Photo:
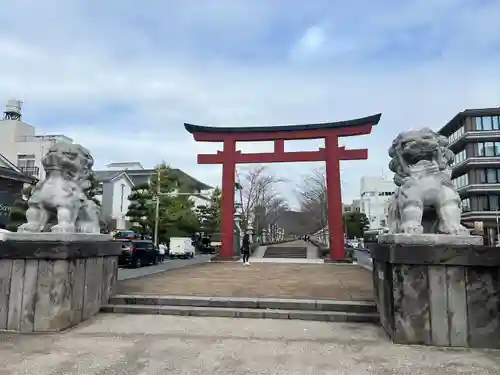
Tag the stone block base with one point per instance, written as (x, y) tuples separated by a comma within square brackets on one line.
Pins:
[(440, 295), (49, 286)]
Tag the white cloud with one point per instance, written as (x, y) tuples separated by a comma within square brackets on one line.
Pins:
[(122, 81), (310, 43)]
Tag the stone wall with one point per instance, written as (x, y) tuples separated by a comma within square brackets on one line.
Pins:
[(439, 295), (50, 286)]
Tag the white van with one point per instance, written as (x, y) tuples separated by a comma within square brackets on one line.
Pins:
[(181, 247)]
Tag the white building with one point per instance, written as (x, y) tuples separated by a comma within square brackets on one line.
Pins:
[(376, 193), (117, 181), (116, 187), (21, 145)]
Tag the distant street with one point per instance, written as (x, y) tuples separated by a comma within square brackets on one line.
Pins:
[(130, 273)]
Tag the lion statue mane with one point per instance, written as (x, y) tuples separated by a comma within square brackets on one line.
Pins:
[(60, 202), (425, 200)]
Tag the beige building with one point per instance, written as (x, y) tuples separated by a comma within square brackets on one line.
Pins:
[(21, 145)]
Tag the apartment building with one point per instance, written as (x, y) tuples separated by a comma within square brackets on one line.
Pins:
[(474, 136), (21, 145)]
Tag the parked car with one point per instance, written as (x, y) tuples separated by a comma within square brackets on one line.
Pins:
[(181, 247), (204, 246), (137, 253)]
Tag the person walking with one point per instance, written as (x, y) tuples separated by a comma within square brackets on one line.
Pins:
[(245, 249), (161, 249)]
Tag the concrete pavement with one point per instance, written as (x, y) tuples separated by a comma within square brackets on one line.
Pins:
[(151, 344), (130, 273)]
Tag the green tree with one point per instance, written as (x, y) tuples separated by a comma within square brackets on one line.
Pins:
[(139, 209), (177, 216), (355, 224), (17, 214), (209, 214), (94, 189)]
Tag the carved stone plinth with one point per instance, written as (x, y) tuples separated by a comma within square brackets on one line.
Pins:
[(48, 284), (442, 295)]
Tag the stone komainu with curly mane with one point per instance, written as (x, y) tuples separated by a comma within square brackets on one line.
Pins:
[(59, 203), (425, 200)]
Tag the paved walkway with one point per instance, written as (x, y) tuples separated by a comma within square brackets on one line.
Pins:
[(153, 344), (170, 264), (264, 280), (312, 254)]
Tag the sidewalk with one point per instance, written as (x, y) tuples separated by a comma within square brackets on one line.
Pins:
[(152, 344)]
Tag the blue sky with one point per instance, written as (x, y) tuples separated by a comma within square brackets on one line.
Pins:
[(121, 77)]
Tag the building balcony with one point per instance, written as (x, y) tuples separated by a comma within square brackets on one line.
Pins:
[(31, 171)]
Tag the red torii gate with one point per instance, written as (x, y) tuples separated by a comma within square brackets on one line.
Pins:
[(331, 154)]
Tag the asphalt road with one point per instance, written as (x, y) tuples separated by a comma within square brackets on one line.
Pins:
[(130, 273)]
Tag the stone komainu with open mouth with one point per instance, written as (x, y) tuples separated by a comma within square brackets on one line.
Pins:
[(60, 202), (425, 200)]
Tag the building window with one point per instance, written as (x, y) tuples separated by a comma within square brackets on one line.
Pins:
[(456, 134), (384, 193), (460, 157), (486, 123), (487, 149), (122, 197), (496, 122), (488, 176), (461, 181), (486, 203), (25, 161), (466, 205)]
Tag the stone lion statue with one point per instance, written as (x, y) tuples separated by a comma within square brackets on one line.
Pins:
[(425, 200), (60, 203)]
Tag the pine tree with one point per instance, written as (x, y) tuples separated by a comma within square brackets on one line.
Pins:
[(176, 216), (94, 189), (355, 223), (176, 211), (139, 209), (18, 210)]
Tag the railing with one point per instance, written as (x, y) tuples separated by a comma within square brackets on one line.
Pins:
[(38, 138), (32, 171)]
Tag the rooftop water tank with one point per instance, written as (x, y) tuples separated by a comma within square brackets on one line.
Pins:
[(12, 110)]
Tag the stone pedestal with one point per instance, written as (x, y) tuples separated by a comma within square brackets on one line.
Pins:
[(442, 295), (50, 282)]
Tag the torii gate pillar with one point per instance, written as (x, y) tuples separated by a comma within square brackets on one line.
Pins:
[(331, 154)]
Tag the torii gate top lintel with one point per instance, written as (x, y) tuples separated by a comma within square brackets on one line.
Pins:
[(347, 128)]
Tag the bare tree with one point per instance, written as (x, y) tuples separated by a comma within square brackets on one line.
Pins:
[(312, 196), (275, 209), (256, 192)]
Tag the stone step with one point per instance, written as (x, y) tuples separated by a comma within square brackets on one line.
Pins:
[(230, 312), (247, 303), (285, 252), (286, 256)]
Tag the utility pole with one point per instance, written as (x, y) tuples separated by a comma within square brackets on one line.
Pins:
[(157, 213)]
